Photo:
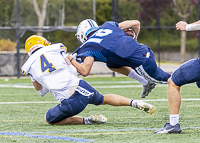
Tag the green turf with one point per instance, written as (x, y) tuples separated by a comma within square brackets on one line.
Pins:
[(125, 124)]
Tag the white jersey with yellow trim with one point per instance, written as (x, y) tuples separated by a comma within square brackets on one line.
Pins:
[(48, 67)]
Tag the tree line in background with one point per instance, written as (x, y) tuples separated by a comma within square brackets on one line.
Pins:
[(70, 13)]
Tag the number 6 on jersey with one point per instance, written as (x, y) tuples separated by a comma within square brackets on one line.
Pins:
[(46, 65)]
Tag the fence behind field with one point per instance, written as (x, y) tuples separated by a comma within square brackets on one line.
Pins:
[(19, 19)]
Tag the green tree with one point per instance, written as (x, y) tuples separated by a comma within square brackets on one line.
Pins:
[(183, 9), (6, 9)]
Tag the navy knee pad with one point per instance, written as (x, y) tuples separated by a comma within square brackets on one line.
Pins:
[(54, 115)]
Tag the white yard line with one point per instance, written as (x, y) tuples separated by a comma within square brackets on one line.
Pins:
[(106, 86), (31, 102), (44, 102), (15, 86)]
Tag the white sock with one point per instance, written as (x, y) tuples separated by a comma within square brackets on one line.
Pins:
[(133, 75), (173, 119), (133, 103), (86, 121)]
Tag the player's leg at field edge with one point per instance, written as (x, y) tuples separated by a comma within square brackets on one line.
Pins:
[(174, 97)]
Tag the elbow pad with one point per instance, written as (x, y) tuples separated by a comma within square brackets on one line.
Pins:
[(42, 92)]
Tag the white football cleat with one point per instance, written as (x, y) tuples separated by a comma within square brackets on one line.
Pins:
[(100, 119), (148, 108)]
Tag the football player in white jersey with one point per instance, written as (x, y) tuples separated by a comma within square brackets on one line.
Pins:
[(51, 71)]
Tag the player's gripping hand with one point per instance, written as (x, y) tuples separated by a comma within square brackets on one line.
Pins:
[(130, 32), (181, 25), (73, 55)]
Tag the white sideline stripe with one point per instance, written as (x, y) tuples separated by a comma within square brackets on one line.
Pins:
[(44, 102), (189, 99), (15, 86), (112, 86), (110, 82), (91, 82), (34, 102)]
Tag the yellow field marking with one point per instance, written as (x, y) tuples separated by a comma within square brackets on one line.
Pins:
[(196, 105), (107, 133), (20, 120), (138, 117), (190, 116)]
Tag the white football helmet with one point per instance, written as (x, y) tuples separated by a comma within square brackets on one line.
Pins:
[(84, 29)]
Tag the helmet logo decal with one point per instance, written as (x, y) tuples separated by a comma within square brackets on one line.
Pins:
[(35, 46)]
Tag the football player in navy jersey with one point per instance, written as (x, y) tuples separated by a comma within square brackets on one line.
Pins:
[(112, 44), (188, 72)]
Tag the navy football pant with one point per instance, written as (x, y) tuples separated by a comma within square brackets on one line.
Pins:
[(150, 71), (143, 61), (188, 72), (74, 104)]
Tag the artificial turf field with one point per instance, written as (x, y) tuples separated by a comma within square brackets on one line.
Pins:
[(22, 115)]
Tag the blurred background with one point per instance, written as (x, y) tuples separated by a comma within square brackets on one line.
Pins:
[(57, 21)]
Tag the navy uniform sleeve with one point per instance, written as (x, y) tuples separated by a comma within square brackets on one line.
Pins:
[(113, 23)]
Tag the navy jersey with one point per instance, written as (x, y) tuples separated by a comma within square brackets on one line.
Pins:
[(111, 45)]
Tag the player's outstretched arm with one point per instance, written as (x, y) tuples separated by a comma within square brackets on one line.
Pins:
[(133, 24), (197, 22), (184, 26), (83, 68)]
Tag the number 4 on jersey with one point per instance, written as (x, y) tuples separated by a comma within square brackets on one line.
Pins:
[(46, 65)]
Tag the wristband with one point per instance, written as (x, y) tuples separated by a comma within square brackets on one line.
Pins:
[(192, 27), (71, 59), (188, 27)]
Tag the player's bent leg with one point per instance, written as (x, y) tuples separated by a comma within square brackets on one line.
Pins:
[(151, 72), (54, 115), (70, 107), (61, 119), (128, 71), (75, 120), (147, 86)]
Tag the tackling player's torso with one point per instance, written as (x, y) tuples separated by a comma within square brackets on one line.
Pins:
[(111, 45)]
